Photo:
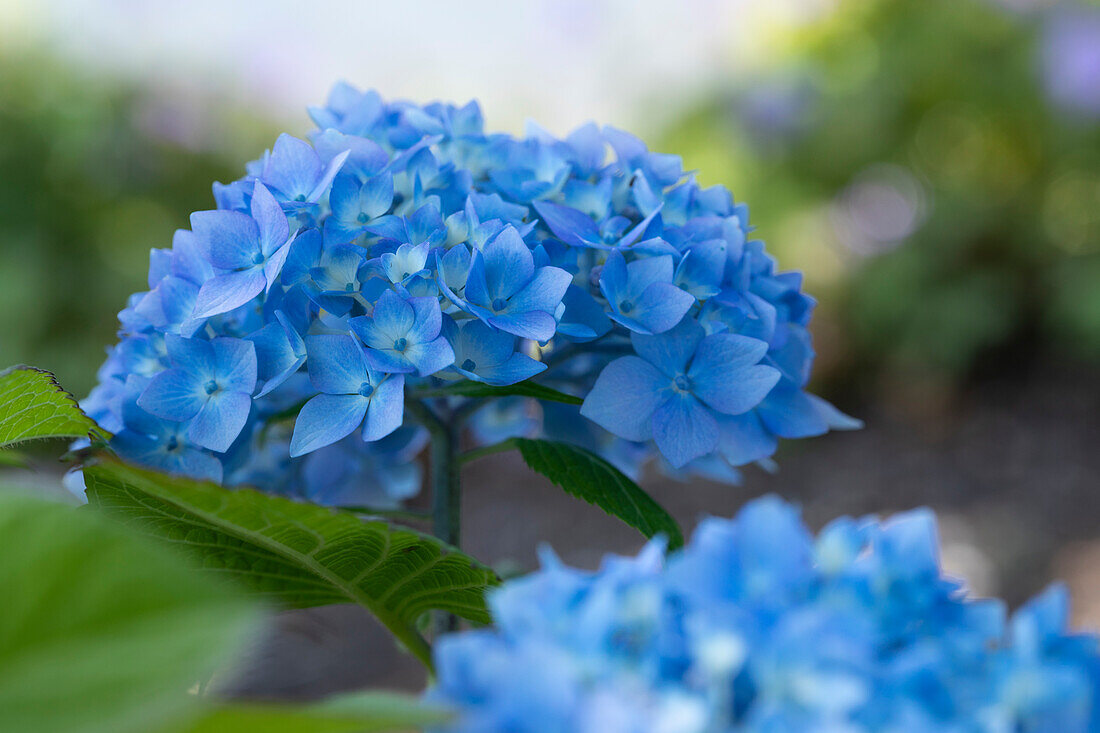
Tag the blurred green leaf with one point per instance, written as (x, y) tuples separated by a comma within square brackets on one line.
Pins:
[(33, 406), (299, 554), (587, 476), (102, 632), (360, 712), (470, 388)]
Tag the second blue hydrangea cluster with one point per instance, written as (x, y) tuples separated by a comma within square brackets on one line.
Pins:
[(402, 248), (759, 626)]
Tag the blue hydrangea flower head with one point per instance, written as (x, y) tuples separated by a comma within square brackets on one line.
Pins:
[(399, 247), (757, 625)]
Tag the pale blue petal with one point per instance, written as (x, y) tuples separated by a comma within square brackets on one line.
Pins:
[(672, 350), (544, 292), (684, 430), (228, 239), (387, 408), (220, 421), (273, 228), (335, 364), (326, 419), (173, 395), (725, 373), (789, 413), (536, 325), (431, 357), (234, 364), (226, 292), (625, 396), (743, 439), (662, 306), (515, 368), (508, 264)]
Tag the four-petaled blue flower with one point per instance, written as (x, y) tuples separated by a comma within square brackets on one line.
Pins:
[(506, 290), (403, 335), (673, 391), (352, 394), (641, 294), (484, 354), (249, 251), (209, 383)]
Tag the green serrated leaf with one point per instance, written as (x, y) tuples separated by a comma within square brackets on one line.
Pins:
[(587, 476), (34, 406), (469, 388), (361, 712), (103, 631), (297, 554)]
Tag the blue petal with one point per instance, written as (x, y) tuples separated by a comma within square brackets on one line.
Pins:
[(684, 430), (274, 230), (220, 421), (224, 293), (234, 364), (743, 438), (515, 368), (672, 350), (326, 419), (228, 239), (789, 413), (567, 224), (544, 292), (625, 396), (535, 325), (661, 306), (335, 364), (835, 419), (431, 357), (508, 265), (173, 395), (725, 375), (387, 408), (293, 168)]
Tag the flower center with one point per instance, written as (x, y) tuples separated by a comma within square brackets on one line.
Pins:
[(626, 306), (258, 258), (681, 384), (469, 365), (401, 344), (366, 389), (211, 387), (349, 287), (300, 197), (173, 444), (499, 304), (363, 218)]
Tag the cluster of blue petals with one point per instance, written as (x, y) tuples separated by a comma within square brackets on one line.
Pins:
[(403, 247), (759, 626)]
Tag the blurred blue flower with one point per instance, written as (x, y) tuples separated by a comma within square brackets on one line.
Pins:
[(757, 625)]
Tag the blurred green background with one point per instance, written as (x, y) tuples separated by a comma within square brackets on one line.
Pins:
[(932, 166)]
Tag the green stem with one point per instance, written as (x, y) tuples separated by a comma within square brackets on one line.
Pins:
[(446, 480)]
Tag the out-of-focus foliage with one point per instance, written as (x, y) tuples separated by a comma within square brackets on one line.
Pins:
[(909, 155), (94, 174), (102, 631)]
